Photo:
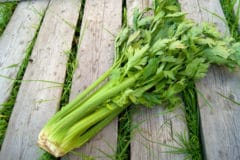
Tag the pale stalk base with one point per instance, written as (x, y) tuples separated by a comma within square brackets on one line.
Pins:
[(49, 146)]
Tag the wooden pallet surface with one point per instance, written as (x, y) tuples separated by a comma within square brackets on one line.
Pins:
[(40, 92)]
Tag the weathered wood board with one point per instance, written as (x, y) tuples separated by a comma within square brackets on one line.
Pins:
[(95, 56), (154, 129), (16, 39), (220, 122), (37, 100)]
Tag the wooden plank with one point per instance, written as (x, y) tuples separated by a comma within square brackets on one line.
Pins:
[(220, 125), (95, 56), (15, 40), (37, 101), (154, 127)]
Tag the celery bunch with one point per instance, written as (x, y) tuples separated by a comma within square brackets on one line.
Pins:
[(155, 60)]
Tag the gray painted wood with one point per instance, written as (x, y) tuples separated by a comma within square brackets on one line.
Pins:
[(15, 40), (153, 129), (38, 101), (95, 56), (220, 124)]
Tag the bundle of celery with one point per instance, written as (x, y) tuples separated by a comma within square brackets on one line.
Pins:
[(155, 60)]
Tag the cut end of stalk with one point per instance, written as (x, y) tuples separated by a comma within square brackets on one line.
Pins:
[(49, 146)]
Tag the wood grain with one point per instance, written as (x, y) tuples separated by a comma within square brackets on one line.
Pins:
[(154, 129), (95, 56), (15, 40), (37, 101), (220, 123)]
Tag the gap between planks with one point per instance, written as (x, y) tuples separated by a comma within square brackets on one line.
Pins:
[(154, 127), (220, 125), (38, 101), (237, 12)]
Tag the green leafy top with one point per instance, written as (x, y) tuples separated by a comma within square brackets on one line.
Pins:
[(169, 51)]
